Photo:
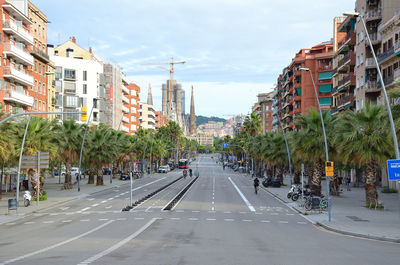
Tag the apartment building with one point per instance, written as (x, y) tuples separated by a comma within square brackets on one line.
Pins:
[(41, 58), (134, 106), (115, 97), (389, 59), (147, 116), (344, 61), (161, 120), (294, 94), (17, 91), (79, 82), (375, 13), (263, 107)]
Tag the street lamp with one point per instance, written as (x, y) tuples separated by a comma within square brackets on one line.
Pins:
[(23, 139), (287, 149), (396, 146), (326, 143)]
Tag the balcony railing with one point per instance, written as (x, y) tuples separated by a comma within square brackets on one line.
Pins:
[(125, 119), (125, 99), (344, 80), (11, 27), (373, 14), (370, 62), (375, 37), (388, 80), (18, 97), (326, 67), (19, 54), (396, 73), (345, 100), (388, 53), (397, 46), (125, 109), (345, 59), (372, 86), (125, 90), (39, 53), (334, 89), (18, 76)]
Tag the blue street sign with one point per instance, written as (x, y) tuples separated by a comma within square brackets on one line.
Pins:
[(224, 145), (393, 167), (247, 158)]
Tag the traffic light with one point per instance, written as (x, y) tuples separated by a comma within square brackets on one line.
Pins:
[(329, 169), (84, 115)]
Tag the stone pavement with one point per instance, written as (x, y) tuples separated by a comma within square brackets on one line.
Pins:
[(56, 196), (348, 214)]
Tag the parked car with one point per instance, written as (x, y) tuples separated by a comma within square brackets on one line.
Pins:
[(106, 171), (74, 172), (273, 182), (171, 165), (164, 169)]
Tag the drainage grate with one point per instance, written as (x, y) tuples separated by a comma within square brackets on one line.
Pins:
[(356, 219)]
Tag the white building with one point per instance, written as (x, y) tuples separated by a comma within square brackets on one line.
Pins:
[(147, 116), (79, 83)]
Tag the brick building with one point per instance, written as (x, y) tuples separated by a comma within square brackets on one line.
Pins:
[(263, 107)]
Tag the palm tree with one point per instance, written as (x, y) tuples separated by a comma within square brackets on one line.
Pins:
[(276, 153), (68, 137), (252, 124), (363, 138), (308, 143)]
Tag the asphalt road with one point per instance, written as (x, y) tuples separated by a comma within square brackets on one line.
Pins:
[(218, 221)]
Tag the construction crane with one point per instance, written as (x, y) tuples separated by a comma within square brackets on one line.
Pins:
[(171, 77)]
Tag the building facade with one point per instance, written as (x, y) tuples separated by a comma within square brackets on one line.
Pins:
[(134, 106), (16, 80), (79, 82), (375, 13), (147, 116), (161, 120), (294, 94), (263, 107), (41, 58), (344, 61), (114, 95), (173, 106)]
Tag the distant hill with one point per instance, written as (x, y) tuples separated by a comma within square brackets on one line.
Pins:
[(202, 119)]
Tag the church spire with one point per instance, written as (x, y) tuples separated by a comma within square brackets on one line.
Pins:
[(192, 127), (149, 97)]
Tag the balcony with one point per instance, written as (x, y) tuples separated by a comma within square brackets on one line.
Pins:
[(18, 76), (18, 97), (10, 27), (124, 129), (346, 100), (375, 38), (370, 63), (386, 55), (18, 54), (297, 98), (335, 89), (125, 90), (348, 79), (396, 73), (397, 48), (349, 40), (348, 58), (325, 67), (388, 80), (373, 15), (125, 99), (39, 54), (125, 109), (372, 87), (125, 119)]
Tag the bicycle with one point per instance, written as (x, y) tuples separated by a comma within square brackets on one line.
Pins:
[(256, 189), (315, 202)]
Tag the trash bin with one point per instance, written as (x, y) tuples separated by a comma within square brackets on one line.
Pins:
[(12, 204)]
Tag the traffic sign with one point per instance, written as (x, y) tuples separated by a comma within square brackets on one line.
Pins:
[(393, 167), (329, 169), (224, 145)]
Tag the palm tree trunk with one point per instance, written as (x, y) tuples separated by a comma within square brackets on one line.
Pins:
[(316, 179), (67, 178), (310, 174), (99, 181), (91, 177), (334, 184), (279, 173), (370, 184), (296, 176)]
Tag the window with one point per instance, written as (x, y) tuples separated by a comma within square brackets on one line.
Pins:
[(267, 108), (1, 84), (40, 68), (71, 101), (39, 87), (84, 89), (69, 87), (44, 89), (362, 58), (84, 75), (69, 74), (36, 85)]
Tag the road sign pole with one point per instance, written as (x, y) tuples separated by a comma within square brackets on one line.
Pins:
[(38, 180)]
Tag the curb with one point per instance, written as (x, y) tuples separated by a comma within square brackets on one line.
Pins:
[(387, 239), (343, 232)]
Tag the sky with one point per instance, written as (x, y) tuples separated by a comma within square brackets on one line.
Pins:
[(234, 49)]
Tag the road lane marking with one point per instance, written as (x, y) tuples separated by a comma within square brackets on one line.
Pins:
[(48, 222), (108, 207), (241, 195), (84, 220), (139, 218), (119, 244), (265, 221), (175, 218), (103, 201), (247, 220), (274, 213), (91, 199), (56, 245), (195, 211), (283, 222), (67, 221), (193, 219), (96, 204), (64, 208), (302, 223), (121, 219), (229, 220), (84, 209), (103, 219), (28, 223), (290, 214), (211, 219)]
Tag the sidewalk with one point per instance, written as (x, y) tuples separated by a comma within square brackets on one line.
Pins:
[(348, 216), (56, 196)]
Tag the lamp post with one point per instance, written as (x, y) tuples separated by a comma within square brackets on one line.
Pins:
[(396, 146), (326, 143), (23, 139), (287, 149)]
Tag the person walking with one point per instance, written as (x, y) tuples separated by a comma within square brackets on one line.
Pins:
[(348, 182)]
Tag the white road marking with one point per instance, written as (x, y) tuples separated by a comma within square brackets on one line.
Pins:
[(121, 219), (175, 218), (274, 213), (119, 244), (212, 208), (193, 219), (48, 222), (229, 220), (28, 223), (265, 221), (103, 219), (103, 201), (290, 214), (96, 204), (259, 213), (67, 221), (242, 212), (64, 208), (56, 245), (139, 218), (10, 223), (108, 207), (211, 211), (110, 199), (53, 214), (91, 199), (241, 195), (195, 211), (247, 220), (283, 222), (211, 219), (302, 223), (84, 209), (84, 220)]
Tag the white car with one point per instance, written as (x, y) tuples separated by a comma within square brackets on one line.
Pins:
[(164, 169), (74, 172)]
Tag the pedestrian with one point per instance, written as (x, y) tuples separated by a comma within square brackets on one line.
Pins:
[(340, 182), (348, 182)]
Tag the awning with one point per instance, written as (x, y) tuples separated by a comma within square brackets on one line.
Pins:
[(324, 76), (325, 88), (298, 91), (325, 101)]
